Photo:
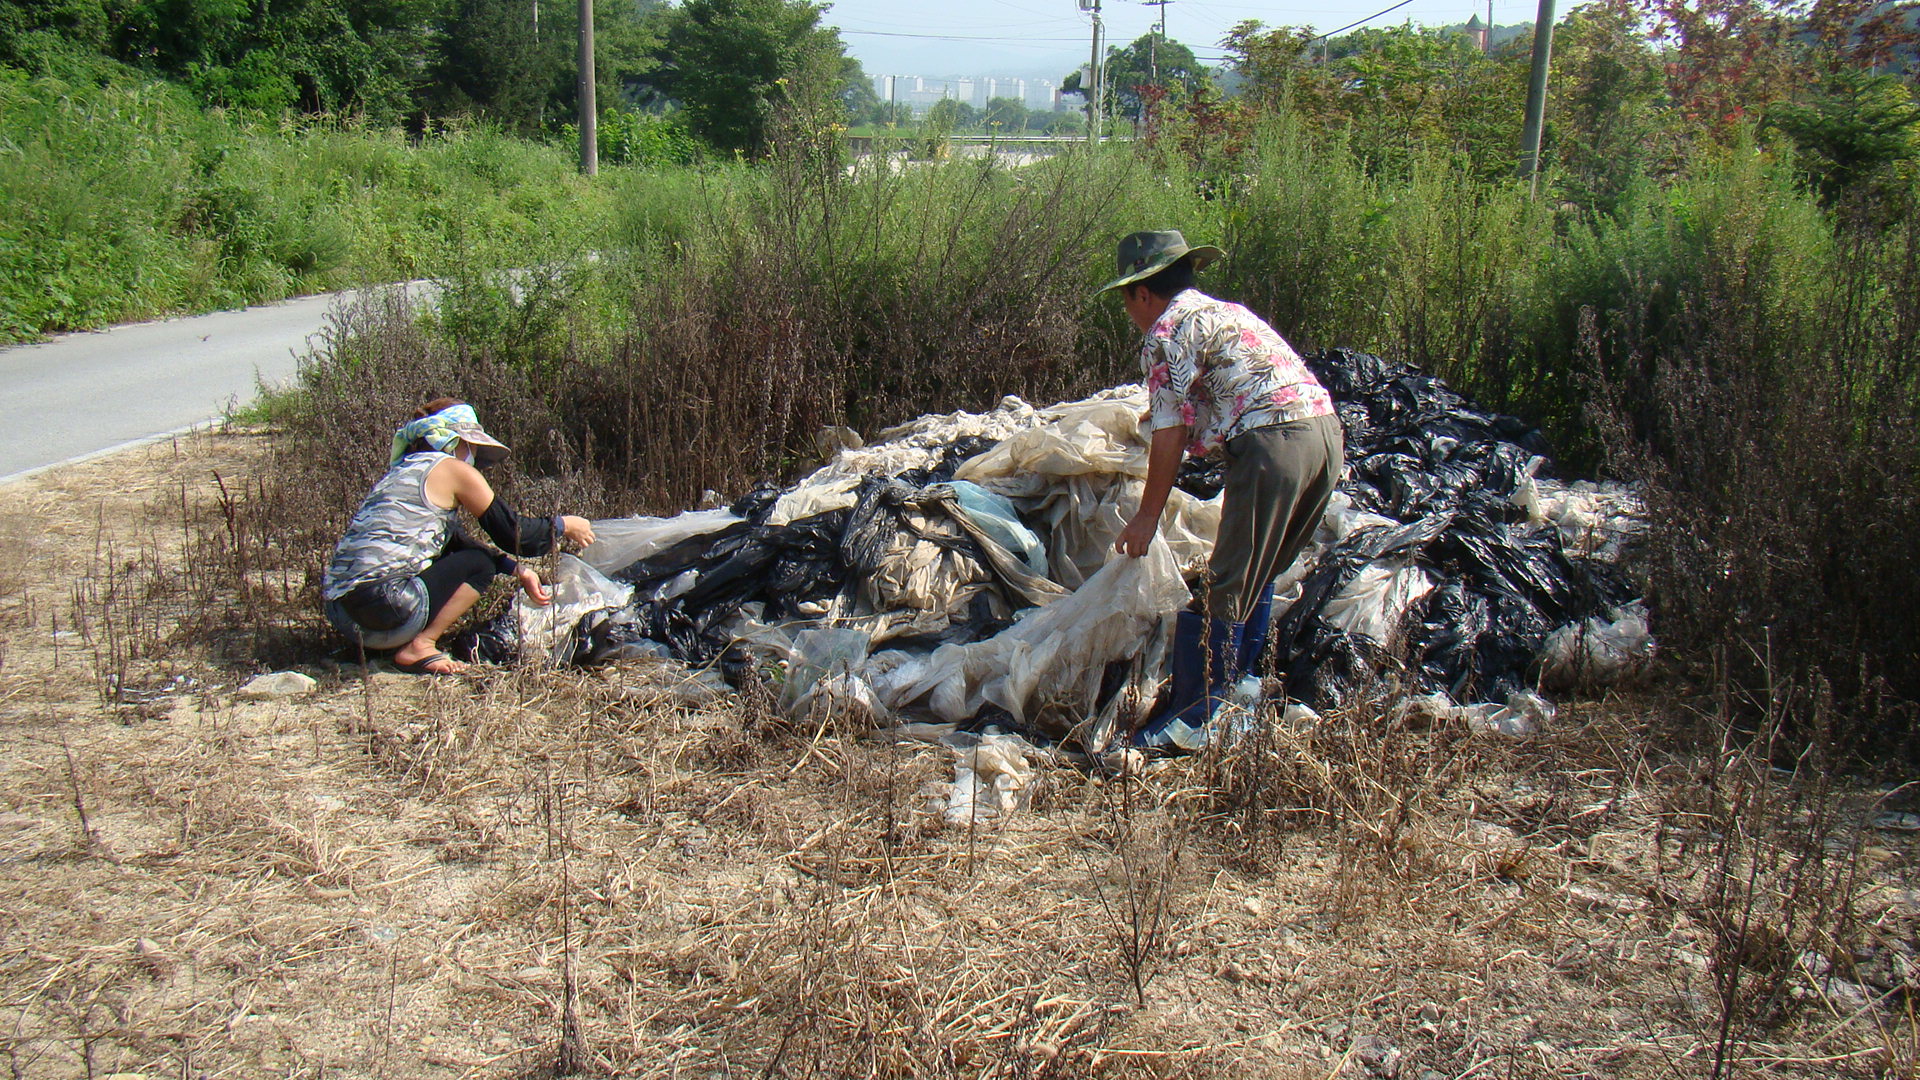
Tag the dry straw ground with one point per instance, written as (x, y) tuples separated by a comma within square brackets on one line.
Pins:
[(536, 871)]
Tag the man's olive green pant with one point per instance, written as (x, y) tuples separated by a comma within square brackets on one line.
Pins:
[(1278, 482)]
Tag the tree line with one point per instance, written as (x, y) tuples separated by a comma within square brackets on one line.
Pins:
[(1633, 82), (1636, 86)]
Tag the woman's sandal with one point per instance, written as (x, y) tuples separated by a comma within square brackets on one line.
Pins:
[(423, 666)]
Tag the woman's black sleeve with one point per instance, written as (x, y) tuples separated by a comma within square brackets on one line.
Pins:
[(516, 535), (458, 540)]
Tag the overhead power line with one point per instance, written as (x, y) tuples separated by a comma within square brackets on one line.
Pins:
[(957, 37), (1368, 19)]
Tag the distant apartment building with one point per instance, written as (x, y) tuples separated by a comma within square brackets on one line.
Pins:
[(911, 93), (897, 88)]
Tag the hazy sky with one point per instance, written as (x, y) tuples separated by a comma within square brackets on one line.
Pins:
[(937, 37)]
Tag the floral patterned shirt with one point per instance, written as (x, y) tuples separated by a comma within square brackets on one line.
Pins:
[(1220, 370)]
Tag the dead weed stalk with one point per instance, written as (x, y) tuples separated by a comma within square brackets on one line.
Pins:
[(1778, 888), (1138, 886)]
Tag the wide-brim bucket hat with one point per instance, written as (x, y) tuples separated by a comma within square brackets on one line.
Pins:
[(1144, 254)]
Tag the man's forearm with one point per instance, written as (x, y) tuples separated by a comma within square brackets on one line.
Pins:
[(1163, 465)]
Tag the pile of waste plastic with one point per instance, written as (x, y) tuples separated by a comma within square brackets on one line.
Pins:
[(960, 570)]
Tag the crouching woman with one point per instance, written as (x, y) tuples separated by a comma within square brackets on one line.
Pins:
[(406, 570)]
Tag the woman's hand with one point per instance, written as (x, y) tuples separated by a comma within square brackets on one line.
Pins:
[(577, 530), (1138, 535), (530, 583)]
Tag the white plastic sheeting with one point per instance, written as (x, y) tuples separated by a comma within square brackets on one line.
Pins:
[(1524, 713), (991, 780), (1598, 651), (620, 542), (815, 497), (1097, 436), (820, 653), (1078, 476), (917, 444), (997, 517), (577, 590), (1053, 658), (1375, 603), (1596, 520)]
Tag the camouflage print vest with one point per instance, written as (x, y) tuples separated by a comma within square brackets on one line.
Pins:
[(396, 532)]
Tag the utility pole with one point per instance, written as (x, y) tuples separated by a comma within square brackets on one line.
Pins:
[(589, 112), (1536, 95), (1100, 78), (1092, 91), (1153, 43)]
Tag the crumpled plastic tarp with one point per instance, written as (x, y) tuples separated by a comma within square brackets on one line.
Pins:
[(1078, 476), (1054, 659), (960, 568), (996, 516), (1598, 650), (622, 542), (1511, 553), (991, 779), (577, 591)]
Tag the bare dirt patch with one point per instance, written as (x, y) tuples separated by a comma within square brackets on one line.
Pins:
[(536, 870)]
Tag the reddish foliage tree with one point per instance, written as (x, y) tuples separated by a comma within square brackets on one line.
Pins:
[(1734, 58), (1731, 58)]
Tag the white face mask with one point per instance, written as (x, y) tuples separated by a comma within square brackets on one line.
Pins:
[(464, 452)]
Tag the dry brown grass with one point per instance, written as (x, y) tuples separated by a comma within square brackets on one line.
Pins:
[(489, 878)]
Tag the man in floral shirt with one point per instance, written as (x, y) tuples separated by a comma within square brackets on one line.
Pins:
[(1220, 379)]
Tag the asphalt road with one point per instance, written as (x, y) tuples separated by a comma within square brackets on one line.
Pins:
[(82, 395)]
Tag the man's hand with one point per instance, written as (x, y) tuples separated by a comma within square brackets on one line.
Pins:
[(1138, 535), (1163, 463), (530, 583), (577, 530)]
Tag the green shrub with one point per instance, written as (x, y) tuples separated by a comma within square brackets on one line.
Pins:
[(127, 200), (635, 138)]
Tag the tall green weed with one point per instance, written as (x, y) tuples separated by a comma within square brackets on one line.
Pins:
[(127, 200)]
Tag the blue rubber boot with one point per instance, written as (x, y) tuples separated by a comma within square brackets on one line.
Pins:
[(1253, 638), (1205, 661)]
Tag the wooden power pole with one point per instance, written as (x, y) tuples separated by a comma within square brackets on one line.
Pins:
[(589, 111), (1153, 43)]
